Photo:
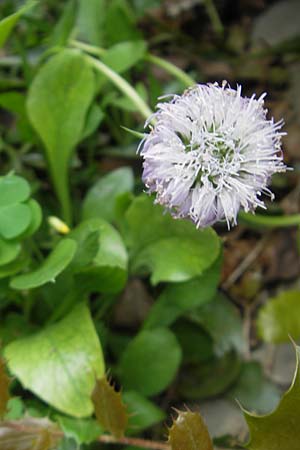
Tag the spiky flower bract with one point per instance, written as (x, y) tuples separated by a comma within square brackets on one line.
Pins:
[(211, 152)]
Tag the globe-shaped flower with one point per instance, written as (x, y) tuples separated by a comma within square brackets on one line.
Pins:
[(211, 152)]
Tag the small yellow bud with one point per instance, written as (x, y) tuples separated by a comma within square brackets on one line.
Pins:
[(58, 225)]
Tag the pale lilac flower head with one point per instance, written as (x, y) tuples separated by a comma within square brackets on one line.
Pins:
[(211, 152)]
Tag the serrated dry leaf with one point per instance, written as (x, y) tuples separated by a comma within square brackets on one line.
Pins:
[(29, 434), (4, 388), (189, 432), (279, 430), (109, 409)]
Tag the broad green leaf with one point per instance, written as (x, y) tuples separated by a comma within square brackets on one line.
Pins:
[(180, 298), (280, 318), (62, 361), (58, 102), (53, 265), (100, 199), (253, 390), (110, 410), (107, 270), (221, 320), (4, 389), (9, 250), (142, 412), (14, 219), (13, 190), (161, 348), (189, 432), (83, 431), (280, 429), (172, 250), (29, 434), (211, 378), (124, 55), (90, 21), (15, 266), (7, 24)]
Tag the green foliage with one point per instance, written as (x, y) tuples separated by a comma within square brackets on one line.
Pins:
[(100, 199), (110, 410), (280, 429), (8, 23), (171, 250), (189, 432), (142, 412), (161, 348), (61, 362), (83, 431), (56, 262), (58, 101), (280, 318)]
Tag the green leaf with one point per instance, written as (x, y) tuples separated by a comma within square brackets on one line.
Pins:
[(63, 28), (280, 429), (61, 363), (29, 434), (7, 24), (59, 119), (107, 270), (221, 320), (13, 190), (83, 431), (161, 348), (110, 410), (120, 23), (100, 199), (253, 390), (211, 378), (14, 219), (189, 432), (53, 265), (9, 250), (280, 318), (90, 21), (142, 413), (172, 250), (180, 298), (94, 117), (4, 389), (124, 55), (36, 218)]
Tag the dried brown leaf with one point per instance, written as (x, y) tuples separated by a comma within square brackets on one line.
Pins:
[(4, 388), (110, 410), (189, 432), (29, 434)]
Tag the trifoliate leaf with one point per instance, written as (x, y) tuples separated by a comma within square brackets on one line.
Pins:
[(29, 434), (4, 389), (189, 432), (109, 408), (279, 430)]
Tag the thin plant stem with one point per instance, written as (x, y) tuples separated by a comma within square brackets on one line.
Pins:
[(122, 85), (172, 69), (92, 49), (259, 220), (135, 442), (213, 14)]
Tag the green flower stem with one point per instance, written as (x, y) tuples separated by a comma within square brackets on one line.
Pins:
[(92, 49), (172, 69), (122, 85), (213, 14), (259, 220)]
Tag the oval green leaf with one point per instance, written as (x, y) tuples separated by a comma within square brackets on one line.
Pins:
[(62, 362), (14, 219)]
